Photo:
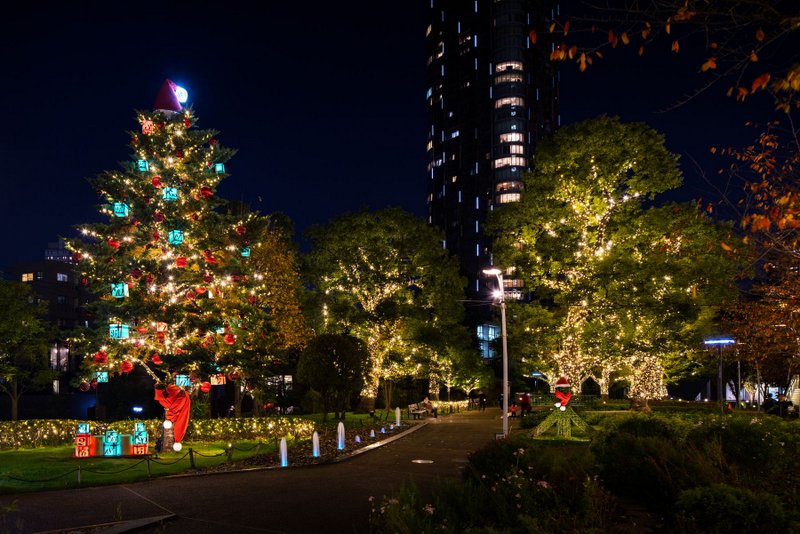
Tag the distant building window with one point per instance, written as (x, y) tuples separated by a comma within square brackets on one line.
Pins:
[(508, 65), (506, 198), (62, 277), (508, 77), (517, 149), (510, 161), (40, 275), (507, 186), (509, 101), (27, 277), (486, 334), (512, 138), (61, 300)]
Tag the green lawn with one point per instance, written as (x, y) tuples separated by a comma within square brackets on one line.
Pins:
[(50, 468)]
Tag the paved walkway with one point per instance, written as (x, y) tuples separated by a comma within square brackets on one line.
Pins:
[(326, 499)]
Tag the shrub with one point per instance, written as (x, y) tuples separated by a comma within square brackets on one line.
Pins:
[(647, 458), (723, 509)]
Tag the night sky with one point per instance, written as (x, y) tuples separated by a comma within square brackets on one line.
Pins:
[(324, 101)]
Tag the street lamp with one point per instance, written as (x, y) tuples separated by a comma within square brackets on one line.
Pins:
[(500, 295), (720, 342)]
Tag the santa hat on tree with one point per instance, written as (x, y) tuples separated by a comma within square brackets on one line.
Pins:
[(167, 99), (562, 382)]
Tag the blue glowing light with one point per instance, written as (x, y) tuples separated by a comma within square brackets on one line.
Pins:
[(181, 94), (721, 341), (137, 409)]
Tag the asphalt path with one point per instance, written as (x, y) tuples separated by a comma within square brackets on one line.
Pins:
[(332, 498)]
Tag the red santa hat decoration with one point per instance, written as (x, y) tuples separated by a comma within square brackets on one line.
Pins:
[(170, 97), (562, 396)]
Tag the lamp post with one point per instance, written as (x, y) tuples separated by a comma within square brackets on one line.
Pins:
[(500, 295), (720, 342)]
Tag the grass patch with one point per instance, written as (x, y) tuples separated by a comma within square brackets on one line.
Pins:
[(52, 468)]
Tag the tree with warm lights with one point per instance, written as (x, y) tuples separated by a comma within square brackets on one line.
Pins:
[(181, 293), (623, 282), (378, 276)]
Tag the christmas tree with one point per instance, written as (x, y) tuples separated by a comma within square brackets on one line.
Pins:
[(171, 266)]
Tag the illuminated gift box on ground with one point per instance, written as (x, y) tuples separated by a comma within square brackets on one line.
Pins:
[(112, 443)]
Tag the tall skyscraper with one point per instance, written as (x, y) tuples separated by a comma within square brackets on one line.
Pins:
[(492, 93)]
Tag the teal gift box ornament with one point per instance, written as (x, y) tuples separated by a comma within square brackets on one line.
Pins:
[(169, 193), (246, 252), (219, 168), (142, 165), (121, 209), (119, 290), (183, 381), (101, 377), (175, 237), (119, 331)]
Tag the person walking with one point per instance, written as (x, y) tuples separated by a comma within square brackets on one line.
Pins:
[(482, 401)]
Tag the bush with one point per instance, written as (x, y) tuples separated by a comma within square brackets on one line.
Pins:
[(723, 509), (647, 458)]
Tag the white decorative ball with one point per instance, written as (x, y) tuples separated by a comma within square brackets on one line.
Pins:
[(167, 424), (558, 405), (177, 446), (563, 408)]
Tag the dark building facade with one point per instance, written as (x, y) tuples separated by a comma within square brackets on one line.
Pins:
[(54, 281), (492, 93)]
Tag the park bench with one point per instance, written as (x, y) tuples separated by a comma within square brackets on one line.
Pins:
[(416, 410)]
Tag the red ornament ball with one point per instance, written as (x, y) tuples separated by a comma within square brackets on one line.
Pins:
[(136, 273), (156, 359), (100, 357), (126, 367), (148, 128), (205, 387), (241, 230), (158, 216), (84, 386), (206, 192), (230, 339), (191, 294), (180, 262), (179, 154), (157, 181), (77, 256), (187, 122), (207, 278), (113, 243)]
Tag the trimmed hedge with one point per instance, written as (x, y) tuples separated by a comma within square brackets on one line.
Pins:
[(33, 433)]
